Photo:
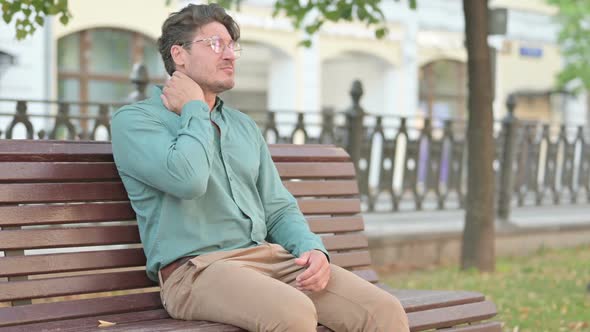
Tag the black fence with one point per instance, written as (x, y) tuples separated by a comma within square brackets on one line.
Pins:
[(403, 163)]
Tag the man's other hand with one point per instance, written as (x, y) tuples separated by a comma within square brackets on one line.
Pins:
[(316, 276), (179, 90)]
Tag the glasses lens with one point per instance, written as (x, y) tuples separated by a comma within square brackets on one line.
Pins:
[(236, 48), (216, 44)]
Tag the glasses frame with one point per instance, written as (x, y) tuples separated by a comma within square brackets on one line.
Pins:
[(234, 46)]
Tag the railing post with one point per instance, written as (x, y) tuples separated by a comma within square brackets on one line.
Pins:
[(271, 127), (354, 123), (509, 126), (21, 116), (327, 135), (140, 78)]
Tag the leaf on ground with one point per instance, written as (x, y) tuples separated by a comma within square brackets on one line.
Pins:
[(577, 326), (524, 310), (104, 323)]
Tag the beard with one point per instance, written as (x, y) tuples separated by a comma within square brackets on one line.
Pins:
[(220, 86)]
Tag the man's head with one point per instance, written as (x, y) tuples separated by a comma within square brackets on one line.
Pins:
[(201, 42)]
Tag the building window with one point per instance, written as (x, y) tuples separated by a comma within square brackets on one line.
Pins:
[(94, 65), (443, 90)]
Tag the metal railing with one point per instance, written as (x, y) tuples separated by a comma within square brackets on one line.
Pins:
[(403, 163)]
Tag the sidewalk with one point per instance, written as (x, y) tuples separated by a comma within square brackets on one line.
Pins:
[(445, 221), (419, 239)]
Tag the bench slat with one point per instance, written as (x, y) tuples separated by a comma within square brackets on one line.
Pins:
[(94, 151), (30, 215), (369, 275), (43, 312), (351, 259), (419, 300), (322, 188), (125, 234), (172, 325), (348, 241), (307, 153), (56, 172), (330, 206), (81, 324), (27, 193), (118, 258), (335, 224), (443, 317), (94, 283), (83, 171), (48, 150), (315, 170), (121, 211), (483, 327), (68, 237), (110, 191), (71, 262)]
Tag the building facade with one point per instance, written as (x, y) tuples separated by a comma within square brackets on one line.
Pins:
[(418, 69)]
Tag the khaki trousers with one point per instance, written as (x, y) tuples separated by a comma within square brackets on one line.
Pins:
[(253, 289)]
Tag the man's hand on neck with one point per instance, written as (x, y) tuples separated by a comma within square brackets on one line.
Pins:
[(181, 89)]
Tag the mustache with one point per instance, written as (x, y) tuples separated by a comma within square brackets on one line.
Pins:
[(226, 64)]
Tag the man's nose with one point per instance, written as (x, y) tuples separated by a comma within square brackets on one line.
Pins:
[(228, 53)]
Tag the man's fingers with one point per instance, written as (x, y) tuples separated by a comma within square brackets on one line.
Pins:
[(303, 259), (310, 271), (317, 264), (317, 278)]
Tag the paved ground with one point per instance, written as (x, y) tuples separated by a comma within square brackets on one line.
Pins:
[(435, 221)]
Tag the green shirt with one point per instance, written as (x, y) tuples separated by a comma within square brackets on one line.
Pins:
[(196, 191)]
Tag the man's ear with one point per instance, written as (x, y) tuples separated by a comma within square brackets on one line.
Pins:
[(178, 55)]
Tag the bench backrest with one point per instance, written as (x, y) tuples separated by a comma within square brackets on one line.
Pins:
[(68, 229)]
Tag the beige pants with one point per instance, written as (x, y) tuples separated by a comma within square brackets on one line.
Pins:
[(253, 289)]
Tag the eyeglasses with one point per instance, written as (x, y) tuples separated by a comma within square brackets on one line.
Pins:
[(218, 46)]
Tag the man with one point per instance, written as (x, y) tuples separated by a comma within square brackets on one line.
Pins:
[(221, 234)]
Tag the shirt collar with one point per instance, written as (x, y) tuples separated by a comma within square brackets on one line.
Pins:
[(218, 106), (157, 91)]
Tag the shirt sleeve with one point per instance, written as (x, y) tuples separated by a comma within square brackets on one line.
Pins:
[(176, 163), (284, 221)]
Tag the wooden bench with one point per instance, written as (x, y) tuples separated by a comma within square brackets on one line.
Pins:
[(72, 252)]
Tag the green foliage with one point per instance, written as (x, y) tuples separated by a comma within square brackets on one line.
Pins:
[(542, 292), (29, 15), (574, 38), (313, 14)]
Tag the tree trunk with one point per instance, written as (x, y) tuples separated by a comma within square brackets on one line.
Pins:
[(478, 236)]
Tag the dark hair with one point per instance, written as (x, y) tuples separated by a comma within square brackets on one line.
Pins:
[(180, 28)]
